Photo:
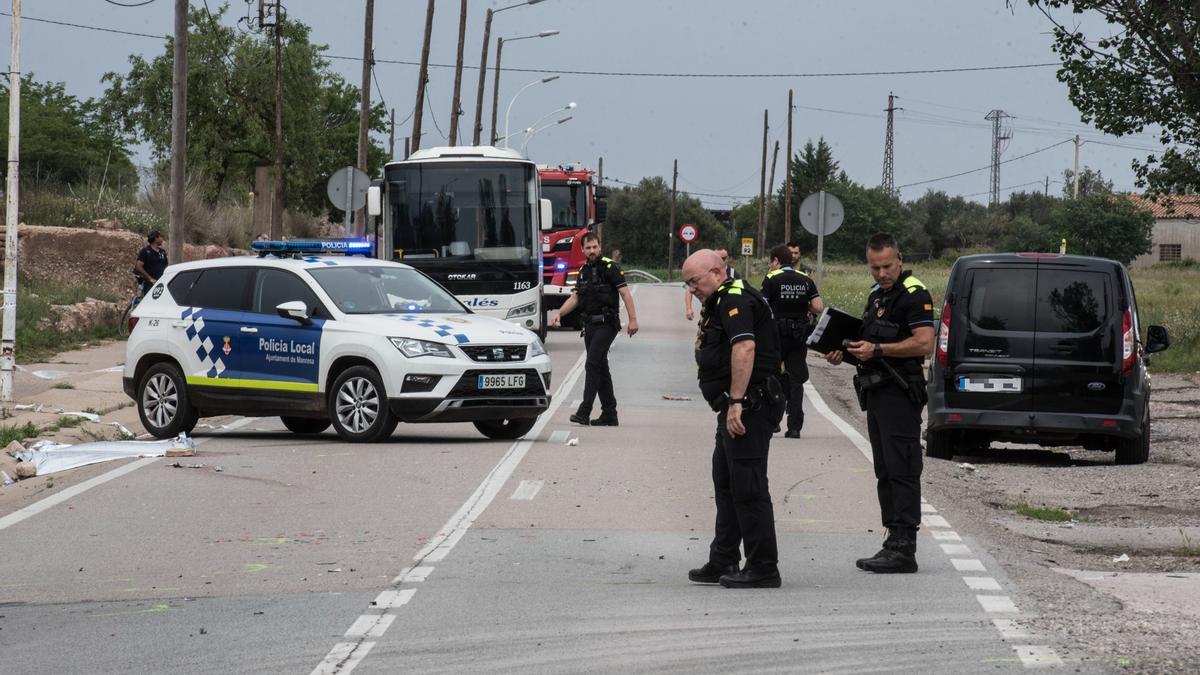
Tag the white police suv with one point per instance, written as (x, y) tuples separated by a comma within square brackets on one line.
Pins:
[(317, 340)]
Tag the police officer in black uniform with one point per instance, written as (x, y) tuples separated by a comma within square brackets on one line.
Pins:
[(737, 352), (793, 298), (600, 283), (897, 335), (151, 261)]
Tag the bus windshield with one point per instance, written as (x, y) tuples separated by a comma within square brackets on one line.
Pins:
[(462, 211)]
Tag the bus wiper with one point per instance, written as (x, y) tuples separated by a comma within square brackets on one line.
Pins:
[(509, 273)]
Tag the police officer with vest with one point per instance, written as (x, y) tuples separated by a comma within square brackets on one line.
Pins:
[(737, 352), (599, 284), (793, 298), (897, 334)]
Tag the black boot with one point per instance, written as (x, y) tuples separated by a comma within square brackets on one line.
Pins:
[(763, 577), (580, 418), (900, 558), (608, 419), (711, 573), (887, 544)]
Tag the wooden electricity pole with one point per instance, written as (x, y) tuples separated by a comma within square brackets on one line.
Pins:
[(422, 76), (671, 227), (392, 137), (762, 189), (787, 180), (176, 232), (456, 105), (364, 112), (487, 36), (770, 194), (277, 211)]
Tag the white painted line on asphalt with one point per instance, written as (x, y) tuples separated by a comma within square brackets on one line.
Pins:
[(576, 403), (1037, 656), (956, 549), (343, 658), (926, 507), (967, 565), (945, 535), (370, 626), (934, 521), (527, 490), (413, 574), (559, 436), (76, 490), (982, 583), (393, 598), (850, 432), (997, 604), (1010, 629)]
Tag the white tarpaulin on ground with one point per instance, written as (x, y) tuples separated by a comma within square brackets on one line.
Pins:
[(50, 457)]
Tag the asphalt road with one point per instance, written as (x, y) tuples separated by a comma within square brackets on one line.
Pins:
[(442, 551)]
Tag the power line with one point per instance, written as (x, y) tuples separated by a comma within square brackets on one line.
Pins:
[(985, 168), (134, 4), (96, 28)]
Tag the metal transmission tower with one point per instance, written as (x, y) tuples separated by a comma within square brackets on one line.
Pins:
[(1000, 137), (889, 183)]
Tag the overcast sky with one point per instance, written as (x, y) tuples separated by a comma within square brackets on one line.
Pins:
[(712, 125)]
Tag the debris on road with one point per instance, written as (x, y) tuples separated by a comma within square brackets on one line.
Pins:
[(1124, 557), (573, 441), (676, 397), (50, 457), (7, 479), (968, 466), (91, 417)]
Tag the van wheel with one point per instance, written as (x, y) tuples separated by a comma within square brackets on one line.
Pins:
[(1135, 450), (163, 404), (506, 429), (939, 444), (306, 425), (358, 406)]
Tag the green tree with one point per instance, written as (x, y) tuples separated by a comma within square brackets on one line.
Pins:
[(1145, 71), (1090, 183), (639, 218), (231, 110), (1107, 226), (948, 222), (65, 140), (1024, 234)]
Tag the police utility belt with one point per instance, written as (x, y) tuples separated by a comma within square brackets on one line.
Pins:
[(605, 315), (768, 392), (792, 328)]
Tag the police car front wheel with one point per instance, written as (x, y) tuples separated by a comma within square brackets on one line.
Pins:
[(358, 406), (163, 403)]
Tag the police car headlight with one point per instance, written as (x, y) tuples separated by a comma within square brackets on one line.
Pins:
[(537, 349), (523, 310), (413, 348)]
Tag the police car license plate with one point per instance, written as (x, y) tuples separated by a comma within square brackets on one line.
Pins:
[(501, 381), (990, 385)]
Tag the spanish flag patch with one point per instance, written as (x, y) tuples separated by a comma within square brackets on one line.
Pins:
[(928, 308), (733, 312)]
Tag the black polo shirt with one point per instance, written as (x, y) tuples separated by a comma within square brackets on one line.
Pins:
[(789, 293), (154, 262)]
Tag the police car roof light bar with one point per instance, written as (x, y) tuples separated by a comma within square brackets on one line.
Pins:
[(312, 247)]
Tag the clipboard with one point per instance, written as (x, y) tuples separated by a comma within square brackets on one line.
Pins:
[(833, 327)]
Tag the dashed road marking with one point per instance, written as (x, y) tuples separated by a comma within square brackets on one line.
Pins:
[(934, 521), (956, 549), (926, 507), (945, 535), (982, 583), (527, 490), (370, 626), (997, 604), (1010, 629), (413, 574), (1036, 656), (967, 565), (343, 658), (393, 598)]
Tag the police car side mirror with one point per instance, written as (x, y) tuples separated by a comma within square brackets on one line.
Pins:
[(294, 309), (374, 201), (546, 212)]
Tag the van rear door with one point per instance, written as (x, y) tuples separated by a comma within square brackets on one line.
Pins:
[(991, 347), (1078, 346)]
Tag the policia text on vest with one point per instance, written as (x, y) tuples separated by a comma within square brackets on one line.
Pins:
[(737, 358), (897, 336), (600, 283)]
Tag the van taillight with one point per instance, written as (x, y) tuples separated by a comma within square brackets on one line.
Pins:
[(943, 343), (1128, 339)]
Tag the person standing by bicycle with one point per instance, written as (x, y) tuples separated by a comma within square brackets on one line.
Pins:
[(151, 261)]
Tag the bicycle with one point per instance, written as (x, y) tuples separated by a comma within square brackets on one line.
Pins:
[(123, 326)]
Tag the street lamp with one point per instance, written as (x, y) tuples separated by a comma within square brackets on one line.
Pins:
[(530, 132), (496, 82), (507, 112), (569, 106), (487, 37)]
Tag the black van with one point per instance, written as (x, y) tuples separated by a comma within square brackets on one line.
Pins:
[(1040, 348)]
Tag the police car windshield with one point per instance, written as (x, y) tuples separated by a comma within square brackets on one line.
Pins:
[(385, 290)]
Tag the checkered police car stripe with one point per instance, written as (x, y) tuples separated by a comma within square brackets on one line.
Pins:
[(207, 352), (440, 328)]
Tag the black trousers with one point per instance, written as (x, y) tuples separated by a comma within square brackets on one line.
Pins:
[(795, 369), (597, 338), (745, 515), (894, 425)]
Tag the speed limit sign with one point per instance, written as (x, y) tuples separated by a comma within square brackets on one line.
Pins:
[(688, 233)]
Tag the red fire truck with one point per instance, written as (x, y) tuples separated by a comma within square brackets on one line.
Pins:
[(578, 205)]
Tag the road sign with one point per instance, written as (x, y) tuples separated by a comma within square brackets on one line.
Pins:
[(747, 245), (810, 213), (688, 233), (350, 181)]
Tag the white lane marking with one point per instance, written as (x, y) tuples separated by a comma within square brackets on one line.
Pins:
[(527, 490), (1037, 656), (76, 490), (1010, 629), (393, 598), (967, 565), (370, 626), (997, 604), (850, 432), (982, 583), (926, 507), (413, 574), (559, 436), (934, 521), (945, 535), (343, 658), (956, 549), (576, 403)]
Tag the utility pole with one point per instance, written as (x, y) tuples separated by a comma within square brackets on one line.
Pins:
[(487, 36), (762, 188), (770, 192), (1047, 192), (364, 112), (406, 147), (392, 136), (671, 226), (600, 174), (456, 105), (422, 77), (277, 211), (8, 336), (1075, 177), (496, 87), (999, 135), (889, 181), (175, 224), (787, 179)]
